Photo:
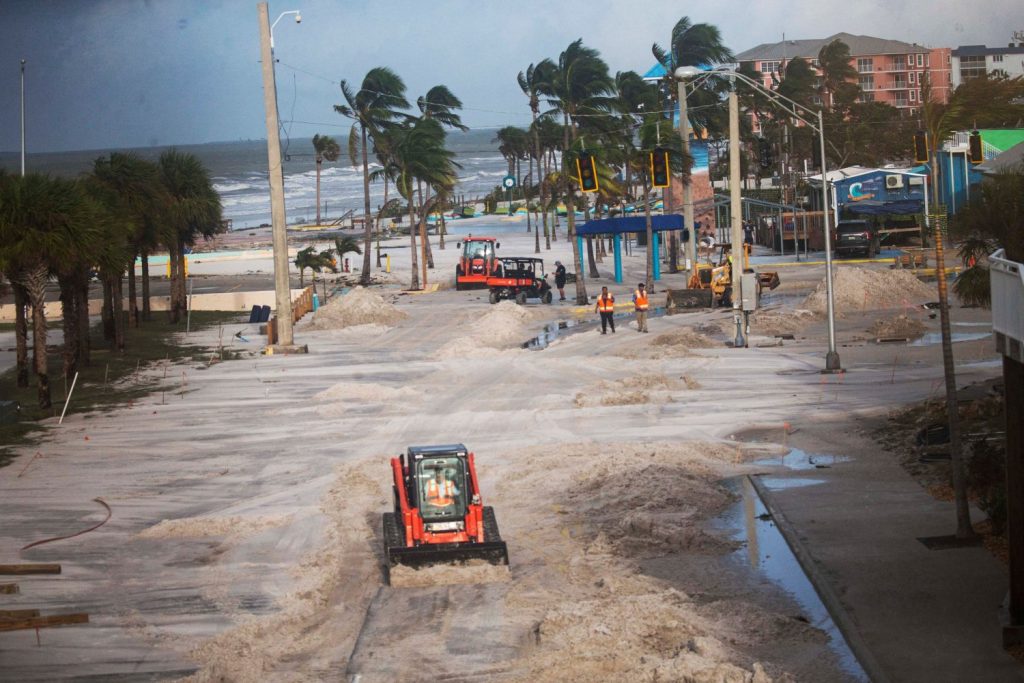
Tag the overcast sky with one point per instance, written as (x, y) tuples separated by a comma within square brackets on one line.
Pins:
[(115, 73)]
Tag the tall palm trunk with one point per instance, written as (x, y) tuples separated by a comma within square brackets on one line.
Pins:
[(117, 309), (133, 303), (107, 312), (70, 319), (21, 333), (319, 163), (82, 308), (364, 277), (428, 252), (414, 280), (146, 311), (182, 277), (34, 280), (173, 264)]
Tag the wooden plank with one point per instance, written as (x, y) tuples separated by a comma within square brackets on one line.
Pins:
[(18, 613), (43, 622), (8, 588), (29, 569)]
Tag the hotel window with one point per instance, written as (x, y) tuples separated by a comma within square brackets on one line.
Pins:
[(913, 96), (769, 67), (910, 60), (997, 58), (920, 60), (865, 64), (867, 82), (927, 60), (867, 97), (912, 77), (972, 67)]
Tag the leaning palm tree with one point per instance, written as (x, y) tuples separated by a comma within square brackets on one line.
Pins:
[(531, 83), (325, 148), (418, 154), (43, 222), (836, 74), (440, 104), (345, 244), (578, 86), (194, 211), (374, 108), (315, 261)]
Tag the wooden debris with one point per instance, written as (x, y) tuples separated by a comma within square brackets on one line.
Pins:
[(17, 569), (8, 588), (43, 622), (18, 613)]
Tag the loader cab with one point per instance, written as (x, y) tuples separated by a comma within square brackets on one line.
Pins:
[(438, 485)]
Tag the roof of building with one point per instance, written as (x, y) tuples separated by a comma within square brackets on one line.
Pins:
[(981, 50), (1002, 138), (809, 49), (1011, 160), (841, 174)]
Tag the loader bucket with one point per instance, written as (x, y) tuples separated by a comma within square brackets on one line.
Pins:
[(494, 552), (689, 298), (769, 280)]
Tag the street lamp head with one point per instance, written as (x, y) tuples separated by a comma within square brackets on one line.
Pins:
[(298, 18), (684, 72)]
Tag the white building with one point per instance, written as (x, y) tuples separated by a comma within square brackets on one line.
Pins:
[(971, 61)]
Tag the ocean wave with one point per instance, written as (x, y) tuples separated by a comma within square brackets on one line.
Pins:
[(231, 187)]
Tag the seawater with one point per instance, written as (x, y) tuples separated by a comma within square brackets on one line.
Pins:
[(239, 174)]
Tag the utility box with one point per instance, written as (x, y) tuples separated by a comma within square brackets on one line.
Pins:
[(10, 412), (749, 291)]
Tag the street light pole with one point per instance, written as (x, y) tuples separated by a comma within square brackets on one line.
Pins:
[(282, 286), (23, 118), (735, 211), (832, 357), (684, 133)]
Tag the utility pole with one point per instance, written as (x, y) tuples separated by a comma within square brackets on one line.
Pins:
[(735, 214), (684, 133), (23, 118), (832, 363), (282, 287)]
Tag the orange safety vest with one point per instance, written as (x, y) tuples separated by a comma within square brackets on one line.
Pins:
[(641, 300), (606, 304), (439, 497)]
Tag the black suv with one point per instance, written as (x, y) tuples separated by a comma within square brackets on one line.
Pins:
[(856, 237)]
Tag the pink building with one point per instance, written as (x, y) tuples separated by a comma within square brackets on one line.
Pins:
[(889, 71)]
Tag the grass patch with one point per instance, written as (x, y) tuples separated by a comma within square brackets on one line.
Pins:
[(110, 381)]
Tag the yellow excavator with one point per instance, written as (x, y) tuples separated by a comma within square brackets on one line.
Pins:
[(710, 284)]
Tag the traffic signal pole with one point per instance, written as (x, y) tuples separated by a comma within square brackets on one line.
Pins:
[(684, 133), (735, 214)]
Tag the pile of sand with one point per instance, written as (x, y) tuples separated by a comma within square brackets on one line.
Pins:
[(674, 344), (685, 337), (897, 326), (858, 289), (774, 323), (359, 306), (199, 527), (473, 571), (634, 390), (504, 325), (341, 397)]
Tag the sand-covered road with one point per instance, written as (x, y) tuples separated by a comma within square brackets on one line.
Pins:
[(245, 544)]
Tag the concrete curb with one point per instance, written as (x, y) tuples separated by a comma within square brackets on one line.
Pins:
[(822, 586)]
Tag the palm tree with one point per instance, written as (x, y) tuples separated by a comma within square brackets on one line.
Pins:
[(418, 154), (691, 45), (531, 83), (440, 104), (194, 210), (326, 148), (43, 222), (579, 85), (374, 108), (315, 261), (836, 75), (344, 244)]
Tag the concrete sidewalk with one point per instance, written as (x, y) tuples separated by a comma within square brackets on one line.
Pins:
[(925, 615)]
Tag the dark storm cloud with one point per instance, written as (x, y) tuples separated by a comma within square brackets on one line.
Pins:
[(132, 72)]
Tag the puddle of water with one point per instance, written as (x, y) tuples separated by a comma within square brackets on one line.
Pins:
[(797, 459), (766, 552), (974, 324), (564, 328), (991, 363), (932, 338), (783, 483)]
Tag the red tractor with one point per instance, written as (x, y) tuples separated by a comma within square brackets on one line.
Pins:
[(477, 263), (439, 516)]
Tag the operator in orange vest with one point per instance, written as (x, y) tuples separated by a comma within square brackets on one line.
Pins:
[(441, 492), (640, 303), (606, 307)]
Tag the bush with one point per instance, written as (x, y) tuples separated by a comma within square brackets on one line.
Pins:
[(986, 479)]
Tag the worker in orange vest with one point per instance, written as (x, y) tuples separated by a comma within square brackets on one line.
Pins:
[(606, 307), (640, 303), (441, 492)]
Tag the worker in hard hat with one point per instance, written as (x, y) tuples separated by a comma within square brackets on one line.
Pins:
[(441, 491), (640, 304)]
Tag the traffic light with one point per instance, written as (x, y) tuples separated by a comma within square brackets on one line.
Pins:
[(921, 147), (586, 172), (977, 154), (764, 153), (659, 167)]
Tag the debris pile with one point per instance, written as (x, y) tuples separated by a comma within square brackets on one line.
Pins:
[(866, 289)]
